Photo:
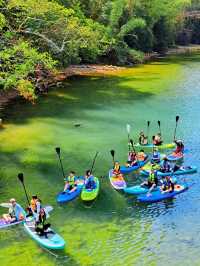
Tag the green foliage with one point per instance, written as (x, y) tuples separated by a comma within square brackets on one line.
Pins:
[(2, 21), (74, 31), (18, 64)]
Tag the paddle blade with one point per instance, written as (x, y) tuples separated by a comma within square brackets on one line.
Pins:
[(177, 118), (159, 123), (112, 152), (21, 177), (58, 150), (128, 128), (6, 205), (48, 209)]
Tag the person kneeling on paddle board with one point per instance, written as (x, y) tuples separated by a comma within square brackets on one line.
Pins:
[(167, 185), (157, 139), (70, 182), (155, 156), (89, 180), (15, 213), (132, 159), (152, 181), (143, 140), (179, 148), (42, 228), (165, 167)]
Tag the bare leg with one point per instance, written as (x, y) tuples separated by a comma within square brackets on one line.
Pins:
[(66, 187), (151, 188), (7, 217)]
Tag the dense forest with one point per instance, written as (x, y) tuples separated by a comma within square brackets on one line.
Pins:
[(40, 37)]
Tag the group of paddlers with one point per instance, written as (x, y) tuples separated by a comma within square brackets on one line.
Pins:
[(72, 181), (156, 140), (35, 210), (166, 183)]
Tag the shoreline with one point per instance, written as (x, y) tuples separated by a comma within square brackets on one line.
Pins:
[(6, 97)]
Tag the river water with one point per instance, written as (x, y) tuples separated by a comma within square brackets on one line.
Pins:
[(116, 230)]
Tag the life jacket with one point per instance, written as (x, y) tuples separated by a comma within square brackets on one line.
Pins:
[(152, 177), (156, 156), (166, 166), (141, 156), (167, 183), (116, 170), (71, 180), (12, 212), (90, 183)]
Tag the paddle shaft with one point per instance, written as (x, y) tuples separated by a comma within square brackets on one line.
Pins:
[(159, 127), (177, 119), (27, 198), (175, 130), (61, 165), (94, 161), (148, 124)]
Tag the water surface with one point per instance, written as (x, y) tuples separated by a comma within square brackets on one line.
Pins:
[(117, 230)]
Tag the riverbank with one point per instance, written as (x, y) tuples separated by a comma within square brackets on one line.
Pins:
[(93, 70)]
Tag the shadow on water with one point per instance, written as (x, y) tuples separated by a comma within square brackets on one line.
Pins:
[(82, 94)]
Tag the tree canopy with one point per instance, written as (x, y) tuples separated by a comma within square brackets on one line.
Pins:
[(53, 34)]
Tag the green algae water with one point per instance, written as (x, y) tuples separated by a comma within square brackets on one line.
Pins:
[(116, 230)]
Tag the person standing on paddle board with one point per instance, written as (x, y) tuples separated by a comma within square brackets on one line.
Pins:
[(15, 213)]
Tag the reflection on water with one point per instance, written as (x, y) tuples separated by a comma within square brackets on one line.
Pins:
[(117, 230)]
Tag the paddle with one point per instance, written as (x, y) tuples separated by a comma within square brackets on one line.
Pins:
[(61, 165), (159, 127), (131, 141), (112, 152), (21, 179), (128, 128), (148, 124), (177, 119), (5, 205), (91, 169)]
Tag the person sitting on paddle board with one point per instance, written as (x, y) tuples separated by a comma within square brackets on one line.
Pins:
[(141, 156), (70, 182), (179, 148), (34, 208), (132, 159), (41, 227), (15, 212), (152, 180), (143, 140), (116, 171), (167, 185), (157, 139), (89, 180), (155, 156), (165, 167)]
